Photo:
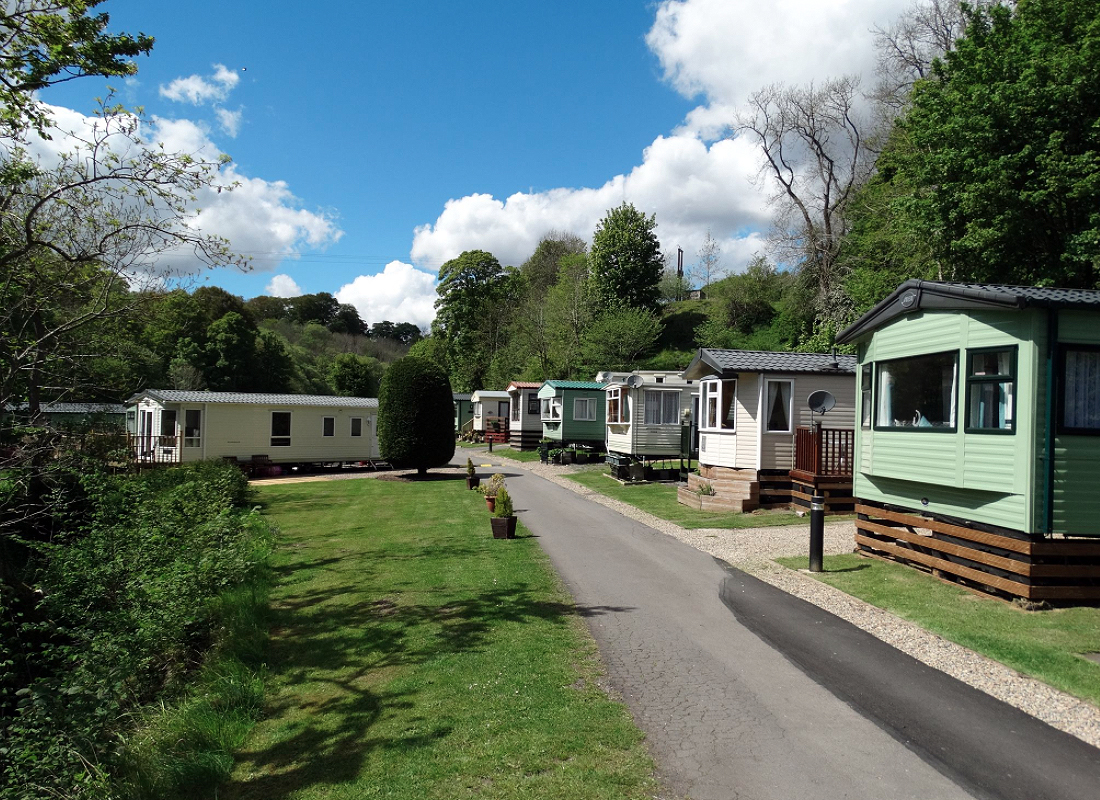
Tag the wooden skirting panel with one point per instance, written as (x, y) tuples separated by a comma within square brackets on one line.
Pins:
[(1005, 563), (837, 491), (524, 440)]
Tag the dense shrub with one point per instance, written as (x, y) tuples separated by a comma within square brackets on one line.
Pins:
[(117, 611), (416, 415)]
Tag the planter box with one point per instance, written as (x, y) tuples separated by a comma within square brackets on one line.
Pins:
[(503, 527), (472, 483)]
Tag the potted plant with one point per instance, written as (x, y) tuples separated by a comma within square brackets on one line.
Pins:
[(555, 455), (492, 489), (567, 456), (503, 520), (472, 480), (544, 450), (581, 456)]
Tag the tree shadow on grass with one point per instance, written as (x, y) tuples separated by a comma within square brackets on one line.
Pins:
[(333, 658)]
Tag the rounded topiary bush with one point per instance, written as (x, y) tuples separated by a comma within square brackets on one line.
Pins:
[(416, 415)]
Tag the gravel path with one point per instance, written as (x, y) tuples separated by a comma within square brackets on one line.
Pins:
[(753, 550)]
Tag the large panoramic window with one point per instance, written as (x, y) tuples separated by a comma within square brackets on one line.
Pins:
[(1080, 390), (662, 408), (280, 429), (918, 393), (778, 410), (584, 409), (991, 390)]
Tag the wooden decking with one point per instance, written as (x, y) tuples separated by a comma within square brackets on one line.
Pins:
[(1006, 563)]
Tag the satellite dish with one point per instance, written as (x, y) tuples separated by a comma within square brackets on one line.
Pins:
[(821, 401), (634, 381)]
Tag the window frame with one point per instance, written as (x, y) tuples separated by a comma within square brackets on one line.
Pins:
[(328, 427), (532, 403), (717, 389), (192, 441), (1011, 378), (622, 417), (1064, 348), (867, 395), (877, 384), (790, 406), (515, 407), (277, 439), (661, 409), (590, 402), (351, 427)]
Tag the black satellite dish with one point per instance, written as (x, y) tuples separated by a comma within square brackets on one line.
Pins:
[(821, 401)]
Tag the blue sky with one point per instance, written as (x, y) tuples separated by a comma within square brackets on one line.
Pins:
[(376, 140)]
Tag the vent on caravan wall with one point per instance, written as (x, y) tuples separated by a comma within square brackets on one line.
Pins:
[(634, 381)]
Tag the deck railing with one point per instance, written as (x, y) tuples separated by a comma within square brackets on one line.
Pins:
[(824, 451), (148, 449)]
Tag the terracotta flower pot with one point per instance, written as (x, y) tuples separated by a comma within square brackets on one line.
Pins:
[(491, 502), (503, 527)]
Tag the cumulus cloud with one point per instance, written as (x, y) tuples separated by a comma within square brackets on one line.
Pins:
[(259, 218), (694, 178), (283, 286), (399, 293), (230, 121), (198, 90)]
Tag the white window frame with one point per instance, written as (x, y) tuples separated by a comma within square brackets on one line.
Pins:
[(515, 407), (192, 441), (351, 427), (277, 440), (623, 400), (718, 390), (328, 423), (768, 405), (590, 405), (663, 407)]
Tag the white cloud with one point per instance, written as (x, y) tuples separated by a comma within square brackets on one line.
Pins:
[(260, 218), (399, 293), (283, 286), (693, 179), (230, 121), (198, 90)]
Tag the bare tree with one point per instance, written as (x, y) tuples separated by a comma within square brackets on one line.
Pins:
[(707, 268), (814, 152)]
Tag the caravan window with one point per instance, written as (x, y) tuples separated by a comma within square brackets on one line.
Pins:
[(918, 393), (662, 408), (328, 426), (991, 390), (280, 429), (1080, 406), (356, 426), (616, 406), (719, 404), (532, 403), (778, 411), (192, 428), (584, 409), (168, 423)]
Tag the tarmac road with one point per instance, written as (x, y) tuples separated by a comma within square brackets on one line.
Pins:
[(746, 692)]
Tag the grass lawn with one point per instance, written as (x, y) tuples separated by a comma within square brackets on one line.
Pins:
[(516, 455), (1044, 644), (659, 499), (413, 656)]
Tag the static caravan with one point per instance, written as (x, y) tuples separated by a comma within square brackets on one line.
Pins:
[(464, 412), (573, 412), (172, 426), (491, 411), (525, 421), (978, 447), (756, 426), (644, 415)]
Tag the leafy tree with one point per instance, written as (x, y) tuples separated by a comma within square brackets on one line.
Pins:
[(355, 376), (620, 338), (264, 307), (46, 42), (416, 415), (321, 308), (1003, 148), (570, 310), (403, 332), (541, 269), (626, 263)]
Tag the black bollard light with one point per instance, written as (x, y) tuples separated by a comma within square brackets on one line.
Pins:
[(817, 531), (490, 445)]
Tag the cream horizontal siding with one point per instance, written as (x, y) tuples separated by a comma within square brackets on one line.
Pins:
[(718, 449), (748, 408)]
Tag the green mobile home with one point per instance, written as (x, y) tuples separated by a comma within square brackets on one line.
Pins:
[(464, 411), (979, 410), (572, 412)]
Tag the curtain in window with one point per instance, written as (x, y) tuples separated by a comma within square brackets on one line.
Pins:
[(670, 411), (652, 408), (779, 402), (1081, 405)]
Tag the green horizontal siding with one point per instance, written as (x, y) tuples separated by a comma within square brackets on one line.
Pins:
[(992, 508)]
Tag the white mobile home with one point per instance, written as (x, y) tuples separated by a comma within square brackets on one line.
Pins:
[(172, 426), (644, 413), (491, 414), (525, 424)]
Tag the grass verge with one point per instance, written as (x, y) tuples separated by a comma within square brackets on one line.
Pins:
[(414, 656), (526, 456), (659, 499), (1047, 645)]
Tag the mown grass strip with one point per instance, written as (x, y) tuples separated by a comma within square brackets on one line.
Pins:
[(659, 499), (413, 656), (1047, 645)]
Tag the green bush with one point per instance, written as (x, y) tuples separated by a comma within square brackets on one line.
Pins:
[(503, 507), (126, 608), (416, 415)]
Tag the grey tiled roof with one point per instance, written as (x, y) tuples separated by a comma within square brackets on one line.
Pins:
[(75, 408), (246, 398), (712, 362), (575, 384), (913, 296)]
